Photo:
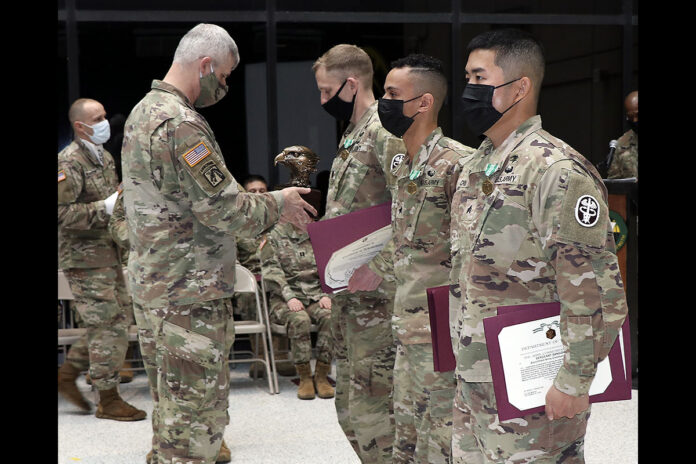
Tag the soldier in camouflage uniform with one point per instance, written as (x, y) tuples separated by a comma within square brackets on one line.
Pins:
[(297, 301), (360, 175), (415, 89), (89, 258), (184, 210), (625, 161), (530, 224)]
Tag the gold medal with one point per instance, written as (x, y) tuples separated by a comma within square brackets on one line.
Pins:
[(487, 187), (411, 188), (343, 154)]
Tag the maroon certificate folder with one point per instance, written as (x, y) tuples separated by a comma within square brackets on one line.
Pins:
[(618, 389), (438, 310), (330, 235)]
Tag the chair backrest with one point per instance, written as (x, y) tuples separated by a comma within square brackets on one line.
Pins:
[(244, 280), (64, 292)]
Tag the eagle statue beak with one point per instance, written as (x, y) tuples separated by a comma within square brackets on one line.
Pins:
[(279, 157)]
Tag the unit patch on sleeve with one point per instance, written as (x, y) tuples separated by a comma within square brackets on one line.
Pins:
[(587, 211), (196, 154), (213, 173)]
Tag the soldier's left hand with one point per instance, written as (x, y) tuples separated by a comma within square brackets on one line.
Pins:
[(325, 302), (559, 404), (363, 279)]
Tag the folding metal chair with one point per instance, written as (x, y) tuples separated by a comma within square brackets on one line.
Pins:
[(245, 281)]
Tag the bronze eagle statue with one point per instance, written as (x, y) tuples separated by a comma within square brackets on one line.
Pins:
[(301, 161)]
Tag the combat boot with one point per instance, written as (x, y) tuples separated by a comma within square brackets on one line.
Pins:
[(306, 389), (67, 373), (284, 368), (111, 406), (224, 455), (321, 383)]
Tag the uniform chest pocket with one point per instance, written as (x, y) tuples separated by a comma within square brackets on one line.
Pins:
[(500, 232), (95, 185), (431, 218)]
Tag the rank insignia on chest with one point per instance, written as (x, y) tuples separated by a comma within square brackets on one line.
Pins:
[(61, 176), (411, 188), (196, 154)]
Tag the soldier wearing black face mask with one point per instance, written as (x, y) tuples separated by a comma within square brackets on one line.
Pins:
[(625, 160), (361, 176)]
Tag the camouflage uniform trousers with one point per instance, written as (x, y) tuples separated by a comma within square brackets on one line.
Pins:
[(245, 306), (103, 303), (364, 352), (422, 406), (478, 437), (185, 350), (298, 325)]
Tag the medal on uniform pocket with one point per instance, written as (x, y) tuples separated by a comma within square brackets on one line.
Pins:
[(487, 186), (411, 188)]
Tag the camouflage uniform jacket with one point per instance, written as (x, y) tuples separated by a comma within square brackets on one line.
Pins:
[(420, 226), (362, 176), (247, 253), (83, 183), (118, 227), (543, 234), (288, 266), (625, 162), (183, 206)]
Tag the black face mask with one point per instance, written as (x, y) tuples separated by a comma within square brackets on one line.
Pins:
[(391, 115), (477, 106), (338, 108)]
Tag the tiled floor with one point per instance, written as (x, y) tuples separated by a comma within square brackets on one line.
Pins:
[(281, 429)]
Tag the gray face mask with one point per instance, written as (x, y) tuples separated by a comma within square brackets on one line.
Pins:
[(211, 90)]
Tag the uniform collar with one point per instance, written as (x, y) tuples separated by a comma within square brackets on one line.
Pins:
[(371, 110), (169, 88), (491, 156), (95, 153)]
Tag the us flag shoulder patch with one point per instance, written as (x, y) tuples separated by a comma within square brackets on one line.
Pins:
[(61, 176), (196, 154)]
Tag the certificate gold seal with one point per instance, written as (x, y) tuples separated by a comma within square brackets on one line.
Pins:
[(487, 187), (411, 187)]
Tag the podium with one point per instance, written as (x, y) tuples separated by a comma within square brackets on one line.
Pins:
[(623, 213)]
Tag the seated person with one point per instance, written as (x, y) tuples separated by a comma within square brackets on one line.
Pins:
[(296, 300)]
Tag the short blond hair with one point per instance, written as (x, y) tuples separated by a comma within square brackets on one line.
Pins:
[(345, 60)]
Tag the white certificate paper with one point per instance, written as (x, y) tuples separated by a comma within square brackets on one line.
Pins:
[(531, 361), (346, 260)]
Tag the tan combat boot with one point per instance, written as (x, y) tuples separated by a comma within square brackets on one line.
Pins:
[(111, 406), (306, 389), (224, 455), (284, 368), (67, 373), (322, 385)]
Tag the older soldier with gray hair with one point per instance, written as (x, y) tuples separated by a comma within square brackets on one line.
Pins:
[(518, 236), (88, 255), (184, 210)]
